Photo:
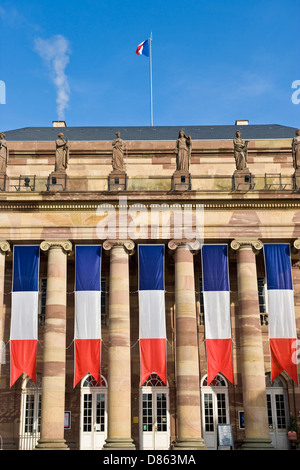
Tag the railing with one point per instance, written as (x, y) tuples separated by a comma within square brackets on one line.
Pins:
[(267, 182)]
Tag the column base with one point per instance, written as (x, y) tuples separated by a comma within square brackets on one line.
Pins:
[(51, 444), (119, 444), (257, 443), (189, 444)]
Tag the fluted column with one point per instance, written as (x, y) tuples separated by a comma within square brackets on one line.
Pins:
[(4, 249), (257, 435), (54, 364), (189, 435), (119, 356)]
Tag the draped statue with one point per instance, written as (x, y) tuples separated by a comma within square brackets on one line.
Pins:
[(62, 153), (296, 150), (118, 153), (240, 152), (4, 153), (183, 151)]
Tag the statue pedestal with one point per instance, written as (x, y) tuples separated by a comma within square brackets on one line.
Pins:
[(297, 179), (117, 180), (242, 180), (57, 181), (181, 180), (4, 182)]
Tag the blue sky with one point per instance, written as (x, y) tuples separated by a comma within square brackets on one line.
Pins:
[(213, 62)]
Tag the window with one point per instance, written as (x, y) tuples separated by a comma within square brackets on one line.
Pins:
[(103, 301), (201, 302), (262, 299), (262, 295), (42, 300)]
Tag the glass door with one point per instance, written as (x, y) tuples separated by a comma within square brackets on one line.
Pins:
[(214, 409), (154, 416), (30, 414), (93, 414)]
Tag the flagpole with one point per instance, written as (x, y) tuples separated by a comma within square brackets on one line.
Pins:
[(151, 96)]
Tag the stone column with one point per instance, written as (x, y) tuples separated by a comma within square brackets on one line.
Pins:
[(189, 435), (119, 356), (257, 435), (54, 365), (4, 249)]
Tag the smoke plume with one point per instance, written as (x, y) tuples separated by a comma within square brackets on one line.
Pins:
[(55, 52)]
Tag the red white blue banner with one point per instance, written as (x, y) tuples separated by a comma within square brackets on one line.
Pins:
[(152, 322), (216, 298), (87, 327), (24, 312), (282, 325)]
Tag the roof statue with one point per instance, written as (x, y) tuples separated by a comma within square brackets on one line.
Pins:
[(118, 153), (183, 151), (296, 150), (240, 152), (4, 153), (62, 153)]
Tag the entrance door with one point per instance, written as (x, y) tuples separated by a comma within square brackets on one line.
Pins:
[(278, 414), (30, 414), (93, 430), (214, 409), (154, 415)]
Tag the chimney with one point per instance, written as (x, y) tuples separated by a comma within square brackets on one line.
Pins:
[(59, 124), (242, 122)]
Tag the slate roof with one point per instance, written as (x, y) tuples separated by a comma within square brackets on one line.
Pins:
[(148, 133)]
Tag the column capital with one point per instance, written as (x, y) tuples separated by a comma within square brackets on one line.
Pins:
[(4, 247), (65, 245), (253, 243), (127, 245), (296, 244), (192, 245)]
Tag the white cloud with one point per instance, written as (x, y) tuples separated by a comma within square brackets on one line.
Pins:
[(55, 51)]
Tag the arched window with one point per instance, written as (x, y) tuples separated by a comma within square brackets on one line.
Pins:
[(218, 381), (153, 381)]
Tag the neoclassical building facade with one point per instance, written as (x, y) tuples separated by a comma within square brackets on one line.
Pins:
[(233, 186)]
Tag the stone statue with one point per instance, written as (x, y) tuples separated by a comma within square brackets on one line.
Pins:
[(62, 153), (118, 153), (240, 152), (183, 151), (296, 150), (4, 153)]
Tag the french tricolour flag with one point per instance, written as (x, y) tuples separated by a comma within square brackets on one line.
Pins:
[(282, 326), (87, 312), (143, 48), (24, 311), (216, 298), (152, 323)]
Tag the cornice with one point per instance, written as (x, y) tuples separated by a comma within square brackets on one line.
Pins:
[(92, 205)]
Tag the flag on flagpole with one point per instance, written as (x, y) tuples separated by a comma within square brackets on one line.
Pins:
[(87, 312), (24, 311), (216, 297), (152, 323), (143, 48), (282, 326)]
